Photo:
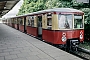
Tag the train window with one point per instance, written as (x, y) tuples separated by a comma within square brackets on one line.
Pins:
[(21, 21), (29, 21), (32, 21), (39, 21), (49, 21), (65, 21), (78, 21), (15, 20)]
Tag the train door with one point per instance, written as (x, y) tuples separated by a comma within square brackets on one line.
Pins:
[(39, 23), (25, 24), (17, 23)]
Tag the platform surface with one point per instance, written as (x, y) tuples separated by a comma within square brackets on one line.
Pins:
[(15, 45)]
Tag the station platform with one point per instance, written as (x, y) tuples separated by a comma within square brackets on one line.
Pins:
[(15, 45)]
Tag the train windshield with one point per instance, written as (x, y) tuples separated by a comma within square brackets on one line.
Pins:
[(78, 21), (65, 21)]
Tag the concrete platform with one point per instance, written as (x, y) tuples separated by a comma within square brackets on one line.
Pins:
[(15, 45)]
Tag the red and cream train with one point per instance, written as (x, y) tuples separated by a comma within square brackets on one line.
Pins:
[(59, 26)]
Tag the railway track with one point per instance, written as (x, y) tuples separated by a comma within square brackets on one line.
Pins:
[(82, 53)]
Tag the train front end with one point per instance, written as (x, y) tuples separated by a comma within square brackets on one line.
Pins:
[(76, 35), (71, 27), (66, 28)]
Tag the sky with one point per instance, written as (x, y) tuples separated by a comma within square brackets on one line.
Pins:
[(14, 11)]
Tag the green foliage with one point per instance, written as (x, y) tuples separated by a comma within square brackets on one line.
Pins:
[(37, 5), (85, 45), (52, 4), (87, 15), (32, 6)]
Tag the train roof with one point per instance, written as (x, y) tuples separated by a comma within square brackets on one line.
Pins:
[(61, 10), (58, 10), (71, 10)]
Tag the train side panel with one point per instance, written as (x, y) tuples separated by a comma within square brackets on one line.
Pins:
[(21, 28), (17, 26), (55, 37), (31, 25), (32, 30)]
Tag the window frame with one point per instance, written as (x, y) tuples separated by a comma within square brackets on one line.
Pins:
[(74, 21), (49, 16), (68, 22), (29, 20), (20, 19), (32, 19)]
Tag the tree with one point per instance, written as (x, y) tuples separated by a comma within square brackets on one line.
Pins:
[(37, 5), (32, 6)]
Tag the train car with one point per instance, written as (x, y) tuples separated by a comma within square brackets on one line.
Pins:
[(31, 24), (66, 27), (60, 26), (18, 22)]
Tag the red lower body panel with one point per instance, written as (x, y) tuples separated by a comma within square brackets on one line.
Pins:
[(55, 37), (17, 26), (21, 28), (32, 30), (48, 36)]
